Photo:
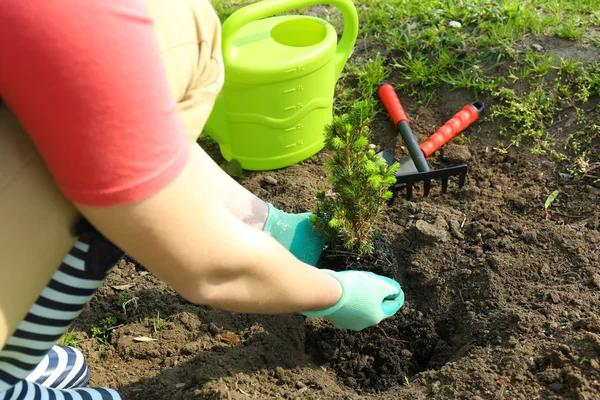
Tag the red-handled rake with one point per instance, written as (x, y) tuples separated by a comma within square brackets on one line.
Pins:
[(414, 168)]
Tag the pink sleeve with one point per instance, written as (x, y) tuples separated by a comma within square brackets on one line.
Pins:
[(87, 81)]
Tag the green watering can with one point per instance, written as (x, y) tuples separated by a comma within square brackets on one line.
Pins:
[(280, 75)]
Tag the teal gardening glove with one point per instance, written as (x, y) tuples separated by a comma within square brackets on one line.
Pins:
[(295, 233), (367, 299)]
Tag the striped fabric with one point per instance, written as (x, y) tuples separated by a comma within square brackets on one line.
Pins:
[(25, 390), (31, 350), (62, 368)]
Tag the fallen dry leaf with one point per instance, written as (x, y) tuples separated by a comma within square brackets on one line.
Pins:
[(229, 337), (143, 339), (502, 381), (123, 287)]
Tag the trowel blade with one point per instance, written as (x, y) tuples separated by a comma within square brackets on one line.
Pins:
[(407, 165)]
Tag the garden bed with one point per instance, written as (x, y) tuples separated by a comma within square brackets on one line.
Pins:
[(501, 302)]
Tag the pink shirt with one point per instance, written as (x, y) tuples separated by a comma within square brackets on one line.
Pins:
[(87, 81)]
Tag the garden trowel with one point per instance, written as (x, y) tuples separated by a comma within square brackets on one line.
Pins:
[(414, 168)]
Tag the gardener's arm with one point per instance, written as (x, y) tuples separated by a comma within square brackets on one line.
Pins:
[(186, 235), (101, 113)]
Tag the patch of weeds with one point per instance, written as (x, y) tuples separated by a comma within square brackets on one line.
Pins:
[(233, 168), (571, 30), (474, 78), (529, 116), (588, 82), (569, 67), (127, 302), (69, 338), (158, 324), (368, 75), (537, 64), (102, 333), (549, 200), (422, 71), (207, 140)]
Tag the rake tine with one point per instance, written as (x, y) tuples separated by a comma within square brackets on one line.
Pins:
[(445, 184), (427, 187), (409, 190)]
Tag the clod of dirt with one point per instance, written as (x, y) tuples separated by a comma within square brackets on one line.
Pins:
[(574, 380), (213, 329), (470, 192), (454, 153), (529, 237), (280, 373), (431, 233), (455, 229)]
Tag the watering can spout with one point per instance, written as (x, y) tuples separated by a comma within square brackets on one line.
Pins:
[(280, 77)]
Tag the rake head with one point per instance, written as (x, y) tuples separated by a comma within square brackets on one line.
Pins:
[(407, 181)]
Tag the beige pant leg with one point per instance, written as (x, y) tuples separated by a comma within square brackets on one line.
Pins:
[(189, 35), (35, 217)]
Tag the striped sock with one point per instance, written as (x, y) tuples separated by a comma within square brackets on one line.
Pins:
[(25, 390), (32, 349), (62, 368)]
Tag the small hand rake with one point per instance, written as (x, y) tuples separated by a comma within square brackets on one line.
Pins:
[(414, 168)]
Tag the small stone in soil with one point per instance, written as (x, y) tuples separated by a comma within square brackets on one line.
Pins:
[(537, 47), (544, 269), (492, 262), (554, 297), (564, 349), (596, 280), (269, 180)]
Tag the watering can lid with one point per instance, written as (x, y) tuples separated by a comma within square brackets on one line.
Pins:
[(273, 49)]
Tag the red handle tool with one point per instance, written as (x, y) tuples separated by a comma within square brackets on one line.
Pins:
[(459, 122)]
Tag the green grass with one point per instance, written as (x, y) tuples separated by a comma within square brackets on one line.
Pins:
[(158, 323), (413, 45), (102, 332), (69, 338)]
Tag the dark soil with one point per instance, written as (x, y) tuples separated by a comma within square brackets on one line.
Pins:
[(500, 302)]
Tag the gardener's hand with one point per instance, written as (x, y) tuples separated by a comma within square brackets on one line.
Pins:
[(295, 232), (367, 299)]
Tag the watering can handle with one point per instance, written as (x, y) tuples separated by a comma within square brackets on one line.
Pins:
[(267, 8)]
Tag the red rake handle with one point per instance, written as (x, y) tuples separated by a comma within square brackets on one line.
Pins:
[(460, 121), (391, 102)]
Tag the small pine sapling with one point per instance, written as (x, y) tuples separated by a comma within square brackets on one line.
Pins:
[(347, 217)]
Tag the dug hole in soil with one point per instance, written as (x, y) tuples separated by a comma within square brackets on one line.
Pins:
[(500, 302)]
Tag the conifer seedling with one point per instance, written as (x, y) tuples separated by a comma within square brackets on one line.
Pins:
[(347, 216)]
